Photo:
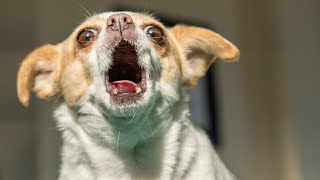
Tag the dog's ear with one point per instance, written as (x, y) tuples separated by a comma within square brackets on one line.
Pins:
[(200, 47), (38, 72)]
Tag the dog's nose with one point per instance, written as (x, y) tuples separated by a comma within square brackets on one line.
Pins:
[(119, 22)]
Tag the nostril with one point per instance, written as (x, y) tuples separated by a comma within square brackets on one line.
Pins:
[(127, 19), (111, 21)]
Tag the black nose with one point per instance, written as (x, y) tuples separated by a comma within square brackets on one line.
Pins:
[(119, 22)]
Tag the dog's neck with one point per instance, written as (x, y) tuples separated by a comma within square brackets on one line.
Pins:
[(141, 141)]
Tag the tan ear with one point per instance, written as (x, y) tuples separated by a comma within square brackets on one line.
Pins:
[(200, 47), (38, 72)]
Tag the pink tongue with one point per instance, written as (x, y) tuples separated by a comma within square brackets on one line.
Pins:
[(125, 86)]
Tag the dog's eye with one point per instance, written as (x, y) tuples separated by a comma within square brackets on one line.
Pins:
[(154, 32), (87, 35)]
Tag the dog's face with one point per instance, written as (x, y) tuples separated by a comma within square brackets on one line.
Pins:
[(126, 63)]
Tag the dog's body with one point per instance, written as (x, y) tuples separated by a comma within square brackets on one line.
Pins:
[(122, 80), (181, 152)]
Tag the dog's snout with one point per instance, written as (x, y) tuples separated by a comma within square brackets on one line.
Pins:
[(119, 22)]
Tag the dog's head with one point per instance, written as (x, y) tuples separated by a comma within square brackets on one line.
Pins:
[(124, 62)]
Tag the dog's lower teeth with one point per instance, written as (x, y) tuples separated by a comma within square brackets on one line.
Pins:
[(114, 91), (138, 90)]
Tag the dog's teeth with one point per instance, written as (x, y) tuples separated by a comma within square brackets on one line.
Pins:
[(114, 91), (138, 90)]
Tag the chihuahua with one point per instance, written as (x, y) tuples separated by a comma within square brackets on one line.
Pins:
[(121, 80)]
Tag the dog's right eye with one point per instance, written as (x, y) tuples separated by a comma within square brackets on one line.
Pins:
[(87, 35)]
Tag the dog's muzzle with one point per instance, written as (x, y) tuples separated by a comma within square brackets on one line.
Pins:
[(125, 80)]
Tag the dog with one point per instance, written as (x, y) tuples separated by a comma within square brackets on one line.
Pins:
[(121, 80)]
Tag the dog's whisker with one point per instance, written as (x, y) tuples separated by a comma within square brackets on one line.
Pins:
[(153, 71), (124, 114), (56, 101), (85, 11), (146, 4), (131, 120), (150, 128), (144, 138), (156, 43), (118, 140), (93, 13)]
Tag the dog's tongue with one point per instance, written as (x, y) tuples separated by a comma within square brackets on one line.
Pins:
[(125, 86)]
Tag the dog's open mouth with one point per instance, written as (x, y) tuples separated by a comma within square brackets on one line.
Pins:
[(125, 80)]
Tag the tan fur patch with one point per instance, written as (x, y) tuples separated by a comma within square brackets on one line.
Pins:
[(199, 48), (206, 40), (75, 79), (171, 62), (49, 71), (40, 62)]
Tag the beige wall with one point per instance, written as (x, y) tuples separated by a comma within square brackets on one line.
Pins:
[(268, 101)]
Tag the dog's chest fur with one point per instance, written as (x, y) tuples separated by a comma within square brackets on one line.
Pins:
[(181, 152)]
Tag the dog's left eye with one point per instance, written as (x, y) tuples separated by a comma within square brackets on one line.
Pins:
[(87, 35), (154, 32)]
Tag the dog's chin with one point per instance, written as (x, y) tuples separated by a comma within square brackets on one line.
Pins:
[(126, 81)]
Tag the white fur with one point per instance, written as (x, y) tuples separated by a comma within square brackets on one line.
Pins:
[(150, 139), (181, 151)]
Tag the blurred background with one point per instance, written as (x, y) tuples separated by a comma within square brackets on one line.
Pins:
[(267, 104)]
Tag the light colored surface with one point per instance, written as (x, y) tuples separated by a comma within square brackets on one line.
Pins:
[(300, 42)]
